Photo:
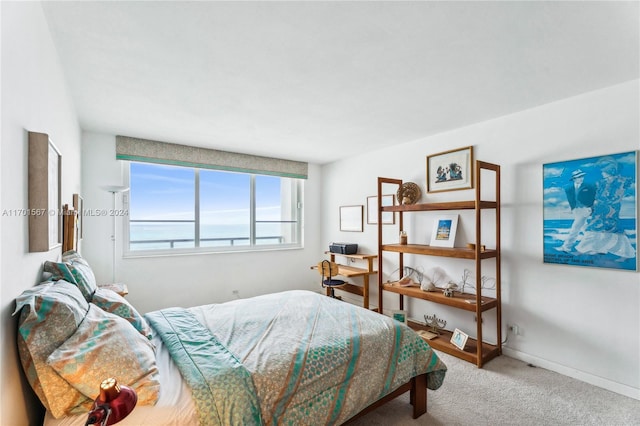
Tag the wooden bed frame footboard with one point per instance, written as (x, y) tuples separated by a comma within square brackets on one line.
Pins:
[(418, 397)]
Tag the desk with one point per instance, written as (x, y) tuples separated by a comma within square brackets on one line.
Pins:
[(349, 271)]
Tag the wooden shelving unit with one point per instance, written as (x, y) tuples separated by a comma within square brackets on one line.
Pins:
[(473, 352), (464, 301), (471, 349)]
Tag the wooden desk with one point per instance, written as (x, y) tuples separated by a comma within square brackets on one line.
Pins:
[(349, 271)]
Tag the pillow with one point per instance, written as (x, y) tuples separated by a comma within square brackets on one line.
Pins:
[(104, 346), (58, 271), (49, 314), (84, 277), (71, 255), (112, 302), (120, 288)]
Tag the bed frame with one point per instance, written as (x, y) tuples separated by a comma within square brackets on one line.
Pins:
[(418, 397)]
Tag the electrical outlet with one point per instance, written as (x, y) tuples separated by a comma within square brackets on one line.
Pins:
[(513, 328)]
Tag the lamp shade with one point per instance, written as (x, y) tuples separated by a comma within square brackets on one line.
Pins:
[(115, 188), (114, 403)]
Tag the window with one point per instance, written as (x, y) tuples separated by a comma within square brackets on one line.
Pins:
[(185, 209)]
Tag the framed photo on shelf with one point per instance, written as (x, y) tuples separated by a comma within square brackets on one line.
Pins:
[(444, 231), (450, 170), (399, 316), (388, 218), (351, 218), (459, 339)]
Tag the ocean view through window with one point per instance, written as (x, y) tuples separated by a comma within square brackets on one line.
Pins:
[(186, 209)]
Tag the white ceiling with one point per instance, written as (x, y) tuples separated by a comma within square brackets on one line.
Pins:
[(317, 81)]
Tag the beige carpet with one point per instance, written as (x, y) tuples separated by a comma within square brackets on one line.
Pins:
[(510, 392)]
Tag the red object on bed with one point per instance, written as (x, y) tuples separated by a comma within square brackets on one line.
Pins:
[(114, 403)]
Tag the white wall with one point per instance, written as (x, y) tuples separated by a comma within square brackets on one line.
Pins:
[(34, 98), (188, 280), (583, 322)]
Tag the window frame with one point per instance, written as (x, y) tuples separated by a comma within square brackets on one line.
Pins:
[(298, 189)]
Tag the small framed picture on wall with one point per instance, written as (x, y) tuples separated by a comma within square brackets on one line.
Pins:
[(351, 218), (388, 218)]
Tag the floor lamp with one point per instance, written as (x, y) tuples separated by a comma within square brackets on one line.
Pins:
[(114, 190)]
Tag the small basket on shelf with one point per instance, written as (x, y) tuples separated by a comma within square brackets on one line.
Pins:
[(409, 193)]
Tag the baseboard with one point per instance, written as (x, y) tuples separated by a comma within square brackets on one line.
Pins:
[(600, 382)]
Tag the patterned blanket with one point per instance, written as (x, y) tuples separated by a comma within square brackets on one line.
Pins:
[(295, 357), (222, 388)]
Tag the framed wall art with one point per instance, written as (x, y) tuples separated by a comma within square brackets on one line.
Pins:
[(78, 205), (444, 230), (69, 229), (351, 218), (44, 199), (388, 218), (590, 212), (450, 170)]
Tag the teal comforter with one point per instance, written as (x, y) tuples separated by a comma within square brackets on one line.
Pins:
[(295, 357), (222, 388)]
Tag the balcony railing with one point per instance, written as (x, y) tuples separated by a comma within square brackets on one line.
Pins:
[(231, 240), (172, 241)]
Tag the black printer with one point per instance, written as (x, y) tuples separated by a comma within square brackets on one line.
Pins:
[(343, 248)]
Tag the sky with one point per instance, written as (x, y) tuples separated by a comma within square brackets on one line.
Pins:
[(558, 175), (161, 192)]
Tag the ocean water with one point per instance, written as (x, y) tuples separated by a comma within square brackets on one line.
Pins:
[(159, 236), (556, 230)]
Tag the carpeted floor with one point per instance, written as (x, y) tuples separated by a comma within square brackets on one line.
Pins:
[(507, 391)]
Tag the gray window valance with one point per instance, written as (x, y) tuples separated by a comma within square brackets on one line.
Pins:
[(134, 149)]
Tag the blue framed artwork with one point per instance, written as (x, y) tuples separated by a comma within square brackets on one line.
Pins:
[(590, 212)]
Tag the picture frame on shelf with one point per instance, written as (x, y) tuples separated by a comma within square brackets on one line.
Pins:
[(444, 231), (399, 316), (351, 218), (459, 339), (388, 218), (450, 170)]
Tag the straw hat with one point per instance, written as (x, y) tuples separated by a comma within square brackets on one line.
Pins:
[(577, 173)]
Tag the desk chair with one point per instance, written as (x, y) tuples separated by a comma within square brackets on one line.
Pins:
[(327, 270)]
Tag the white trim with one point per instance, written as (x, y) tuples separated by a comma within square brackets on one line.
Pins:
[(196, 206)]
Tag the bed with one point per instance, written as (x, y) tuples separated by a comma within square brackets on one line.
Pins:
[(294, 357)]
